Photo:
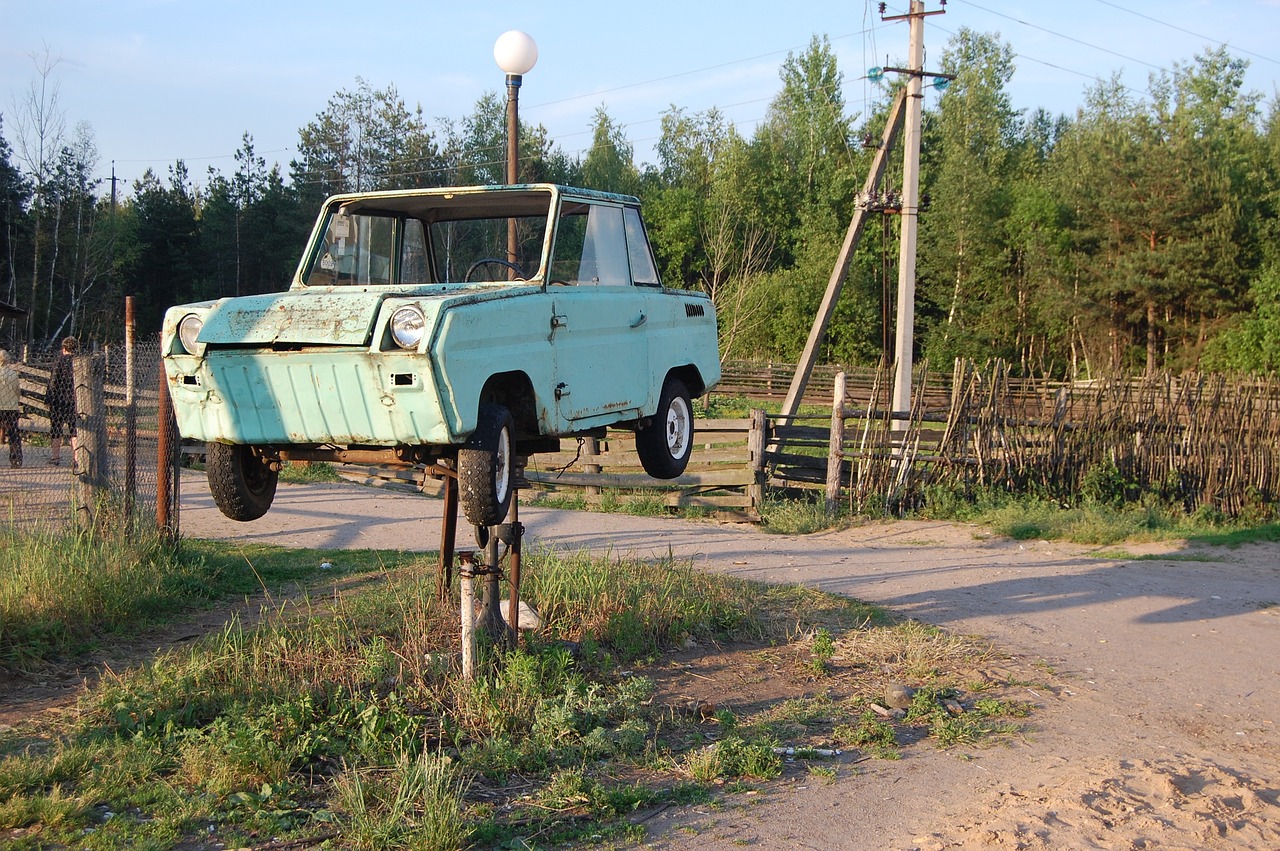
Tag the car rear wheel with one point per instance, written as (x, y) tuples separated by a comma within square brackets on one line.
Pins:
[(665, 444), (486, 472), (242, 483)]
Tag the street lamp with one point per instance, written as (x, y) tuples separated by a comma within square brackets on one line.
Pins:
[(516, 54)]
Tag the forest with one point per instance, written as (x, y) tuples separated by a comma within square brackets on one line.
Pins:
[(1137, 236)]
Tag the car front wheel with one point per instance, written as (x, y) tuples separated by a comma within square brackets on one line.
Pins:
[(486, 472), (242, 483), (665, 444)]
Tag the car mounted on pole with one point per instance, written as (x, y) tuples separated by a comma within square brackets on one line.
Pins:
[(407, 337)]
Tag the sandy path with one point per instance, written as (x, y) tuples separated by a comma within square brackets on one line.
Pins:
[(1163, 736)]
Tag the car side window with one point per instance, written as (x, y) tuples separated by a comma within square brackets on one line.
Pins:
[(643, 270), (592, 248)]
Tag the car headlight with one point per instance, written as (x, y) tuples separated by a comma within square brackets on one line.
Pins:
[(188, 330), (407, 325)]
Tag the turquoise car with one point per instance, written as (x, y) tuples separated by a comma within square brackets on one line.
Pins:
[(460, 327)]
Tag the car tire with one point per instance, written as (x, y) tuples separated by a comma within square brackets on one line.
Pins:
[(486, 467), (665, 444), (242, 484)]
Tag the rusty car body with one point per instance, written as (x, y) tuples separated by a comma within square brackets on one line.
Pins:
[(461, 326)]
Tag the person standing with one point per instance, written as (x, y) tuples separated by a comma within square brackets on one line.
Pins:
[(61, 398), (10, 407)]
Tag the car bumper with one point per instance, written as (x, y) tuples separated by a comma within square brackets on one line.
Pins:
[(312, 396)]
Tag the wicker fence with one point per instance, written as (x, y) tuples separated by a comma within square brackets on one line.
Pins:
[(1201, 441)]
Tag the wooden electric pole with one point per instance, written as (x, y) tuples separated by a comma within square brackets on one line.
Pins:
[(804, 369), (906, 111), (904, 338)]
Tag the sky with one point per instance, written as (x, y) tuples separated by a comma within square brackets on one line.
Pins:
[(163, 80)]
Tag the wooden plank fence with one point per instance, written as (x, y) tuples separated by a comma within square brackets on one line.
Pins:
[(725, 473), (1203, 441)]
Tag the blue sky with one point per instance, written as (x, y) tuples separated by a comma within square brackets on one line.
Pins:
[(160, 80)]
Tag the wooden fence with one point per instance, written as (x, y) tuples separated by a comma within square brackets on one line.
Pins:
[(725, 473), (1201, 441)]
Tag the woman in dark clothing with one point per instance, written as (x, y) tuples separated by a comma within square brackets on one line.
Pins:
[(11, 408), (62, 401)]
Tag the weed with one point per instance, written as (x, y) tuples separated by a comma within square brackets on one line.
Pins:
[(822, 651), (304, 472), (415, 803), (799, 515), (827, 773), (868, 732), (732, 757)]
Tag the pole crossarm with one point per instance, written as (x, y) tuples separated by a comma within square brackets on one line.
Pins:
[(804, 369)]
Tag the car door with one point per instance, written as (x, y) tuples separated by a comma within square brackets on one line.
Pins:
[(599, 317)]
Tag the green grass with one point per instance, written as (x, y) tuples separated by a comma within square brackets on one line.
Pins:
[(62, 591), (1030, 517), (800, 515), (331, 718), (301, 472), (340, 718)]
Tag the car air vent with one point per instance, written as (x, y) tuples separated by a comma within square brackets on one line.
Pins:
[(694, 310)]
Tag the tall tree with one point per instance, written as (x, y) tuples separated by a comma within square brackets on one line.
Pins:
[(165, 266), (15, 192), (610, 163), (365, 139), (964, 288), (40, 123)]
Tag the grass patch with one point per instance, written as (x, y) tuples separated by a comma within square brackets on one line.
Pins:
[(1103, 524), (342, 719), (1125, 555), (800, 515), (306, 472), (638, 503), (62, 590)]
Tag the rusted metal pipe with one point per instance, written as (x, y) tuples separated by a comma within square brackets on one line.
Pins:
[(448, 537), (513, 571)]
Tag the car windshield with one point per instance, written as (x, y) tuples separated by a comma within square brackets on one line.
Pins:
[(428, 239)]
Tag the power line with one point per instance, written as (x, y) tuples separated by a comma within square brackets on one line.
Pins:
[(1216, 41), (1061, 35)]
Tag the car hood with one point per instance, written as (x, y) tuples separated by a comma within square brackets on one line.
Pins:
[(334, 318)]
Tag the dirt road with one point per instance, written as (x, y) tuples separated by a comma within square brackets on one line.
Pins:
[(1163, 734)]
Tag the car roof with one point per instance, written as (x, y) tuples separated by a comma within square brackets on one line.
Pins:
[(471, 202)]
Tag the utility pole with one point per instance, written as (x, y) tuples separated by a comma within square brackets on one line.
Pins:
[(904, 338), (804, 369)]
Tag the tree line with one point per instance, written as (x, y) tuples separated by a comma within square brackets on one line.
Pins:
[(1138, 235)]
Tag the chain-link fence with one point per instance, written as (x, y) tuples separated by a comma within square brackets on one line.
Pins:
[(102, 466)]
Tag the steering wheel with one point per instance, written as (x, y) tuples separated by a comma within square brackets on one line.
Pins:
[(483, 261)]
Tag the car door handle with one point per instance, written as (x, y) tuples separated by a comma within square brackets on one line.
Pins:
[(643, 319)]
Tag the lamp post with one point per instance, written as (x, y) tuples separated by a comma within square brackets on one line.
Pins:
[(516, 54)]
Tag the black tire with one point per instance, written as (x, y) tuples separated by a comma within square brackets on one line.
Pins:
[(242, 484), (665, 444), (486, 468)]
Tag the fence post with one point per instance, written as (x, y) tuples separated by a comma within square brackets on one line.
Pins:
[(165, 465), (130, 411), (835, 456), (89, 449), (755, 460), (591, 449)]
